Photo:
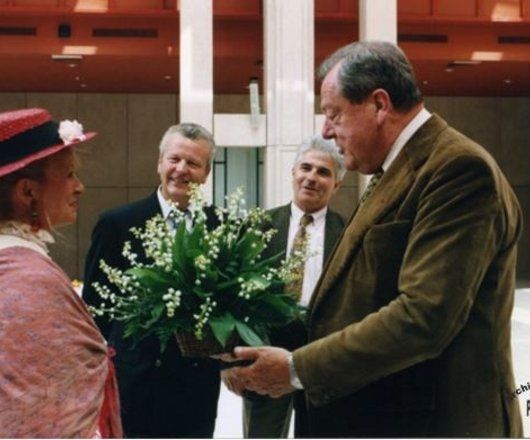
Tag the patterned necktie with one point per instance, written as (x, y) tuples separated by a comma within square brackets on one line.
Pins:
[(371, 185), (295, 288), (173, 220)]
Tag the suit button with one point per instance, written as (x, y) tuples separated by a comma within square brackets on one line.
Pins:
[(158, 362)]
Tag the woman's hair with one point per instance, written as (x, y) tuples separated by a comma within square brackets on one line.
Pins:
[(35, 171)]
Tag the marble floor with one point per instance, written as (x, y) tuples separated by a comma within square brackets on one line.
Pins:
[(229, 412)]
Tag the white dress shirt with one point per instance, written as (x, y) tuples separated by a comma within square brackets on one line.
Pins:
[(167, 207), (316, 232), (411, 128)]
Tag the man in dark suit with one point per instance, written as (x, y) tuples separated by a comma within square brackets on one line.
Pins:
[(317, 172), (162, 394), (409, 326)]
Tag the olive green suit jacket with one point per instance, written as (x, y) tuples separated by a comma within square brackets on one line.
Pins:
[(410, 321)]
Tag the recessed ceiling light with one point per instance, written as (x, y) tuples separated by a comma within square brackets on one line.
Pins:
[(77, 78), (83, 85), (507, 81), (449, 69), (167, 77), (425, 82)]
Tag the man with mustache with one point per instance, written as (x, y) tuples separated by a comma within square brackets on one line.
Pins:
[(317, 173), (409, 325), (162, 394)]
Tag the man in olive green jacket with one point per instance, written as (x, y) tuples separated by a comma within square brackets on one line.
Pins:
[(409, 328)]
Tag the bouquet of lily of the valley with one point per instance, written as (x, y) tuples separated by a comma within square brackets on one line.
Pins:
[(209, 288)]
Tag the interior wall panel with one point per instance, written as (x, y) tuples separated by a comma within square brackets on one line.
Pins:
[(500, 10), (12, 101), (455, 8), (513, 124), (415, 7), (106, 114), (92, 204), (148, 118)]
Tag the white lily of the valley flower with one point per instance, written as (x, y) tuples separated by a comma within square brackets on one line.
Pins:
[(70, 131)]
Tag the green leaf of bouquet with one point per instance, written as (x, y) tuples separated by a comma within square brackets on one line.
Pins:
[(274, 310), (248, 335), (280, 303), (261, 282), (222, 327), (269, 262), (156, 313), (151, 278), (249, 247), (179, 250), (193, 239)]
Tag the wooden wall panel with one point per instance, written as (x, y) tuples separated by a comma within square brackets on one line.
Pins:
[(337, 8), (455, 8), (35, 3), (500, 10), (237, 7), (327, 7), (350, 7), (414, 7), (136, 4)]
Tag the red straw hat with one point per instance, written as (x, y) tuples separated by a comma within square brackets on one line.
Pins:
[(30, 134)]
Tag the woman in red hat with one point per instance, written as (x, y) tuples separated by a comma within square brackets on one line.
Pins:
[(56, 379)]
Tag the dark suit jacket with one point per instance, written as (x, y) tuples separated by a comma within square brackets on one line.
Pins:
[(280, 218), (294, 335), (162, 395), (410, 321)]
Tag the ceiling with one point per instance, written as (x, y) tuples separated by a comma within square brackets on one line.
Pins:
[(134, 49)]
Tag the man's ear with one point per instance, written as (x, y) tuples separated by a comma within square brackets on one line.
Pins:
[(383, 104)]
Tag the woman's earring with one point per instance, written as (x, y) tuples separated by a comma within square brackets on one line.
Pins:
[(35, 221)]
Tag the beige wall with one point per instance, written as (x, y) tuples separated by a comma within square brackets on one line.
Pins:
[(120, 164)]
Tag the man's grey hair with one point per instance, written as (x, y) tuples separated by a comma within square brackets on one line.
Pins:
[(318, 143), (191, 131), (370, 65)]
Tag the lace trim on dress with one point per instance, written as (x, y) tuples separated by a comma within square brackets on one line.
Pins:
[(14, 233)]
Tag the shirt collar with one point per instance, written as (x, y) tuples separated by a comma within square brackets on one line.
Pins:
[(405, 135), (297, 213), (165, 205)]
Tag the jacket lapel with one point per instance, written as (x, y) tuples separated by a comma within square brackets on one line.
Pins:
[(389, 193), (331, 234)]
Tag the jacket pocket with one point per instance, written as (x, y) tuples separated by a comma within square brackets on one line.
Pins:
[(384, 247)]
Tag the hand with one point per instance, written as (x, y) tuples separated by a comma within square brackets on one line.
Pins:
[(232, 381), (268, 374)]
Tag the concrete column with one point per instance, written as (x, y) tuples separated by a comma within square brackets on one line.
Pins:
[(377, 21), (289, 90), (196, 66)]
